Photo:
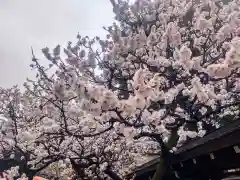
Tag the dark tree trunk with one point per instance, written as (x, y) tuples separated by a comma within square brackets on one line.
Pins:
[(112, 174), (165, 156)]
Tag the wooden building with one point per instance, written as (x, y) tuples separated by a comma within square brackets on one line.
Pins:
[(215, 156)]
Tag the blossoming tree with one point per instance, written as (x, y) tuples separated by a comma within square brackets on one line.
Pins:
[(178, 62), (168, 71)]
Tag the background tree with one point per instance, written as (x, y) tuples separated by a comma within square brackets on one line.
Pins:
[(47, 126), (35, 137)]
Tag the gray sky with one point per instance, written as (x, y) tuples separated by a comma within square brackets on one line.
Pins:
[(41, 23)]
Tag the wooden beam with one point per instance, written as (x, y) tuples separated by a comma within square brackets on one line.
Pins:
[(216, 134), (212, 156), (194, 161), (236, 149)]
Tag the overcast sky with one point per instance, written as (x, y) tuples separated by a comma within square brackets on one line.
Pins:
[(41, 23)]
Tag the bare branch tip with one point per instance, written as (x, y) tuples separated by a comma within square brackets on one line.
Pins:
[(32, 52), (113, 3)]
